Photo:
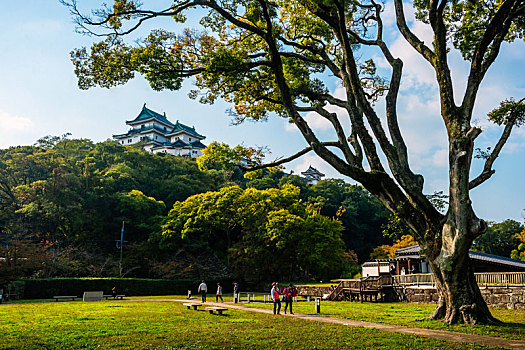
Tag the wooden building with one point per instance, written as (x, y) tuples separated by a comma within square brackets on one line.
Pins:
[(408, 260)]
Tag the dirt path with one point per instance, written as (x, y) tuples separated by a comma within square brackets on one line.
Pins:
[(429, 333)]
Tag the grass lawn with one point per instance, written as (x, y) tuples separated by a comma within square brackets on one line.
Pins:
[(412, 315), (169, 325)]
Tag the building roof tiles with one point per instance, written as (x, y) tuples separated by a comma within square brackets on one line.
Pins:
[(147, 113), (179, 127), (495, 259)]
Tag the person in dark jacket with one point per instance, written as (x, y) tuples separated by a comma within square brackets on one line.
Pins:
[(236, 293), (288, 294)]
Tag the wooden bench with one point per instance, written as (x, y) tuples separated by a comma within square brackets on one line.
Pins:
[(219, 310), (118, 296), (192, 305), (72, 297), (93, 296)]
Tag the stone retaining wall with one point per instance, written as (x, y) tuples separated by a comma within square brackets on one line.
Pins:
[(312, 291), (506, 297)]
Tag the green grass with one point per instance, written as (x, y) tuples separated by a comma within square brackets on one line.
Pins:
[(168, 325), (413, 315)]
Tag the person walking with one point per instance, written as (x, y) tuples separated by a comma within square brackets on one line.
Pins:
[(203, 289), (219, 293), (288, 295), (236, 293), (276, 297)]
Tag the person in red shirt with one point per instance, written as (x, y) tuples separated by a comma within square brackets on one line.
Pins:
[(288, 294), (276, 297)]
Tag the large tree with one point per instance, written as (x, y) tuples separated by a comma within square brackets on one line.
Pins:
[(262, 233), (275, 56)]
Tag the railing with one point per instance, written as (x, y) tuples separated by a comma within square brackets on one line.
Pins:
[(255, 297), (483, 279), (418, 279), (501, 278), (386, 280), (363, 284), (337, 293)]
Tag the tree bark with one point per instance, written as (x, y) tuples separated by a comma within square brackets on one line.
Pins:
[(460, 299)]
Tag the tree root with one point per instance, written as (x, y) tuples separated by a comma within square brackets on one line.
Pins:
[(467, 314), (439, 312)]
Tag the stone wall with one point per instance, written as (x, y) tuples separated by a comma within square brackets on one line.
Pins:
[(312, 291), (506, 297)]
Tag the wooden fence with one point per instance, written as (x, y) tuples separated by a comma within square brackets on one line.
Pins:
[(483, 279)]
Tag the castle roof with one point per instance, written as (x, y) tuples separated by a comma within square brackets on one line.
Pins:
[(312, 171), (179, 127), (182, 144), (147, 114), (142, 130), (198, 144)]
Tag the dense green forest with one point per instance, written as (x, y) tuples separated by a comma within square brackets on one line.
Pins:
[(63, 203)]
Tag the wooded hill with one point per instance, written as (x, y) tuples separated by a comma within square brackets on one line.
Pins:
[(64, 200)]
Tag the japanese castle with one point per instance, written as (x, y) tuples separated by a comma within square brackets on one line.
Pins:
[(312, 175), (158, 135)]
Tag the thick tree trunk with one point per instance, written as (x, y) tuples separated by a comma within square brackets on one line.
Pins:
[(460, 299)]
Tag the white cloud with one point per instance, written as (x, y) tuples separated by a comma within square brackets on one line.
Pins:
[(290, 127), (520, 131), (416, 70), (440, 158), (420, 123), (9, 122), (513, 148)]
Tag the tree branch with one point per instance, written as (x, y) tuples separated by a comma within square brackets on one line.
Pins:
[(495, 33), (332, 117), (487, 168), (290, 158), (290, 107), (412, 39)]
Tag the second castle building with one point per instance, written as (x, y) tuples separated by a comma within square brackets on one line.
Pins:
[(158, 134)]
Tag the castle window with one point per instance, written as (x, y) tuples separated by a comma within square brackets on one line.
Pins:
[(142, 126), (190, 138)]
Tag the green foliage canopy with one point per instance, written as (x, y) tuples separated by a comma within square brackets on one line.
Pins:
[(268, 232)]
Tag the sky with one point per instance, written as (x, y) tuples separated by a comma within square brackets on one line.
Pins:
[(39, 96)]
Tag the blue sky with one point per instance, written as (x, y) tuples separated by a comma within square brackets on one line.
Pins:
[(39, 96)]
